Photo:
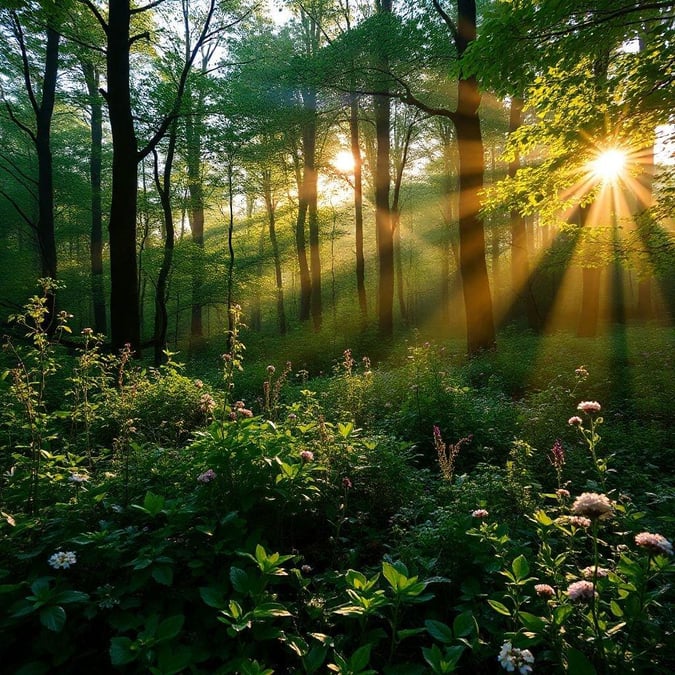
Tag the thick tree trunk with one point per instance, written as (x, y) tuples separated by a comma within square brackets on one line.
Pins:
[(91, 77), (124, 308), (358, 206), (480, 330)]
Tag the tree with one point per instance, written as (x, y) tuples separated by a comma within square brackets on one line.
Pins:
[(124, 307), (41, 96)]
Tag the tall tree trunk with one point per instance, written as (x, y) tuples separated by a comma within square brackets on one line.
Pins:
[(311, 187), (161, 291), (124, 308), (382, 179), (358, 205), (480, 328), (590, 289), (301, 242), (92, 78), (193, 139), (270, 205)]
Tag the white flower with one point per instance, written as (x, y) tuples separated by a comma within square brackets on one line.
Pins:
[(511, 657), (62, 560), (76, 477)]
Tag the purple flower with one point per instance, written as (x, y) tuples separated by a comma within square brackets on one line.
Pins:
[(207, 476), (557, 455)]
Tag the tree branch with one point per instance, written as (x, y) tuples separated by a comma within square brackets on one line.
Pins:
[(19, 210), (447, 20), (145, 8), (94, 10)]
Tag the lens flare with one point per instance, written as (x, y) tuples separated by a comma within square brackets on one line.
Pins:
[(609, 165)]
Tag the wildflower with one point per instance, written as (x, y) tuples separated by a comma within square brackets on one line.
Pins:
[(654, 543), (590, 572), (233, 416), (292, 417), (244, 412), (199, 384), (581, 590), (88, 332), (306, 569), (270, 370), (62, 560), (207, 476), (78, 478), (557, 455), (581, 372), (480, 513), (307, 456), (562, 493), (511, 657), (544, 591), (579, 521), (589, 407), (346, 483), (575, 421), (206, 404), (592, 505)]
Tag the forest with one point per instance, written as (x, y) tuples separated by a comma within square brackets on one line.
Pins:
[(337, 336)]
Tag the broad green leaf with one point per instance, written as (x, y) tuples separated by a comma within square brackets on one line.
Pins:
[(360, 658), (439, 631), (213, 597), (578, 663), (170, 627), (122, 651), (464, 624), (163, 574), (53, 617), (520, 567), (239, 580)]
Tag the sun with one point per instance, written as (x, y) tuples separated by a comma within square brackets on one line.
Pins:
[(609, 165), (343, 162)]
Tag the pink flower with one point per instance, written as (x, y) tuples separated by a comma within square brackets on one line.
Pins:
[(590, 571), (480, 513), (307, 456), (592, 505), (544, 591), (654, 543), (557, 455), (346, 483), (579, 521), (589, 407), (306, 569), (575, 421), (581, 590), (562, 493)]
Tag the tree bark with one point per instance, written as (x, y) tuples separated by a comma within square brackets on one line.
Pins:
[(480, 330), (91, 78), (358, 205), (124, 307), (270, 206)]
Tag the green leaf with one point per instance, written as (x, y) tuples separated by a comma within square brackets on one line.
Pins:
[(163, 574), (359, 659), (213, 597), (396, 579), (616, 609), (532, 622), (499, 607), (53, 617), (122, 651), (464, 624), (239, 580), (170, 627), (439, 631), (578, 664), (65, 597), (153, 503), (520, 567), (408, 632)]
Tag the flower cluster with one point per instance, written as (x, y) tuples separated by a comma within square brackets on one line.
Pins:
[(544, 591), (511, 658), (480, 513), (592, 505), (656, 544), (307, 456), (557, 456), (207, 476), (62, 560), (589, 407), (78, 478), (581, 590), (206, 404)]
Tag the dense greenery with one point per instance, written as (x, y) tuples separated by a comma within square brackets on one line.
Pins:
[(426, 515)]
